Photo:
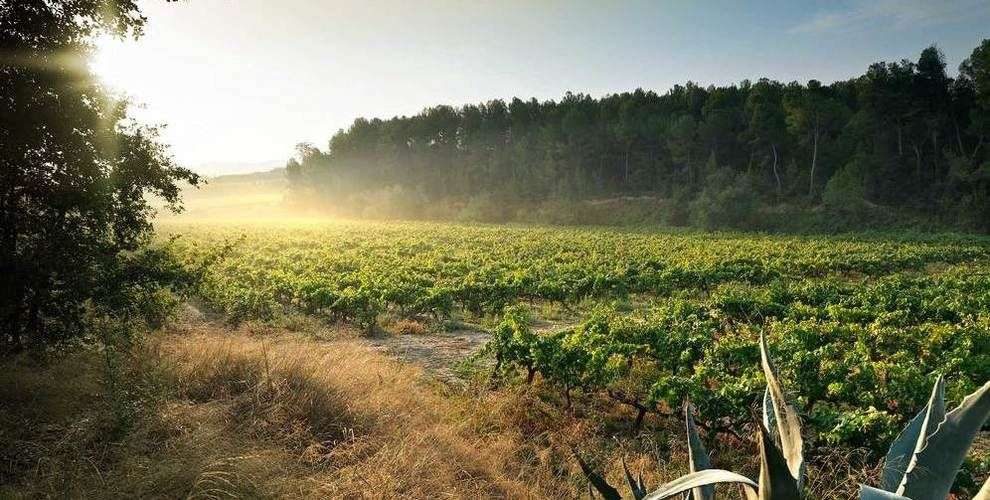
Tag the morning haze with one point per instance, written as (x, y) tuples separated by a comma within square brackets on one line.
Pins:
[(245, 81)]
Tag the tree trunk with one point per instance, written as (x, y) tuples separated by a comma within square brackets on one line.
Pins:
[(900, 142), (962, 150), (626, 175), (917, 165), (639, 418), (814, 161), (34, 321), (935, 153), (773, 147)]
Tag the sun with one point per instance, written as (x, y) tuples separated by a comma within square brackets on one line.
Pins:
[(112, 62)]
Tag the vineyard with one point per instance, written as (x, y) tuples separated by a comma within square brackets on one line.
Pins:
[(860, 325)]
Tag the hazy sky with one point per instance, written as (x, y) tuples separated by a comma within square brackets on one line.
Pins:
[(242, 81)]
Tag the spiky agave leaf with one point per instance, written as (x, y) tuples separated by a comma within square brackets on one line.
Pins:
[(698, 456), (984, 493), (776, 481), (913, 437), (769, 418), (871, 493), (932, 471), (783, 417), (698, 479), (596, 480), (637, 486)]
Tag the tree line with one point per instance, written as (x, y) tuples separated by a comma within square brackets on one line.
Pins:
[(905, 136)]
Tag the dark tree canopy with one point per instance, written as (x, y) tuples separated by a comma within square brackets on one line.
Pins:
[(75, 174), (912, 135)]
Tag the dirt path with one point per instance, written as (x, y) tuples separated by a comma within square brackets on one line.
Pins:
[(440, 353), (437, 353)]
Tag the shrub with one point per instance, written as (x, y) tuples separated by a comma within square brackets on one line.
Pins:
[(728, 201), (846, 190)]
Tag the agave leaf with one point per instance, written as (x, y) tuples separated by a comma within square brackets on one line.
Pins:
[(596, 480), (698, 455), (934, 468), (776, 481), (748, 493), (913, 437), (769, 418), (984, 493), (638, 487), (699, 479), (788, 425), (870, 493)]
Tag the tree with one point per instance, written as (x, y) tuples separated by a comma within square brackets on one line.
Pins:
[(976, 71), (681, 138), (920, 132), (931, 87), (75, 178), (767, 129), (812, 116)]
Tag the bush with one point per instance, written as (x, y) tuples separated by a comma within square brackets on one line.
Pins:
[(846, 190), (729, 200)]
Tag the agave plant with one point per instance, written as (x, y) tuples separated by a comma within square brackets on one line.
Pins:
[(921, 464), (781, 456), (923, 461), (984, 493)]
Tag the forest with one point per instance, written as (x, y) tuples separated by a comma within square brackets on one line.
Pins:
[(904, 140)]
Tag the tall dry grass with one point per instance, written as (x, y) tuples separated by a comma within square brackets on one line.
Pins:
[(260, 413), (240, 415), (351, 423)]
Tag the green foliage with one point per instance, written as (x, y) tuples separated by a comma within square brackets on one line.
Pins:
[(846, 190), (859, 324), (783, 144), (727, 201), (76, 176), (922, 462), (924, 459), (781, 455)]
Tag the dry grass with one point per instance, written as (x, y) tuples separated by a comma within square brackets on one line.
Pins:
[(408, 327), (355, 423), (260, 413), (249, 415)]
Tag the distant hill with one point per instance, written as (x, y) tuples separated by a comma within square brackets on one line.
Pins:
[(225, 168), (274, 175), (247, 195)]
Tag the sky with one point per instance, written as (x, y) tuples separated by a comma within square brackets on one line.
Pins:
[(238, 83)]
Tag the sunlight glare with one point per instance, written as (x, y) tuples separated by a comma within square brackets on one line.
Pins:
[(108, 62)]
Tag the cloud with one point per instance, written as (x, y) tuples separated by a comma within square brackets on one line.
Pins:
[(890, 13)]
